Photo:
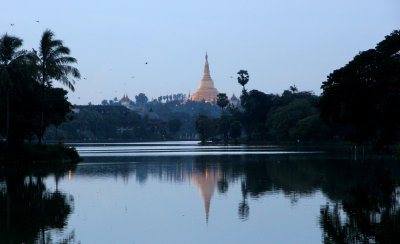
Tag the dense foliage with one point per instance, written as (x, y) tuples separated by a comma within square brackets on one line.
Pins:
[(364, 95), (27, 95), (290, 117), (142, 120)]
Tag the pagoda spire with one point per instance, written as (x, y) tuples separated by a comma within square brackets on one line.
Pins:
[(206, 73)]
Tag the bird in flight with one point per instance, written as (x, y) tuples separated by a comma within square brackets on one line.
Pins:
[(84, 78), (132, 77), (12, 24), (146, 63), (37, 21)]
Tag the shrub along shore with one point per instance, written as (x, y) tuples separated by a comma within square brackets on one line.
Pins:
[(30, 154)]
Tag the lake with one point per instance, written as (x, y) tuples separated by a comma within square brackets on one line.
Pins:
[(180, 192)]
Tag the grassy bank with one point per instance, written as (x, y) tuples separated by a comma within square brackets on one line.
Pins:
[(29, 154)]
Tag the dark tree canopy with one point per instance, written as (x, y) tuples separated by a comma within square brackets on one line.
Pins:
[(54, 62), (141, 98), (243, 77), (256, 106), (364, 95), (27, 95), (235, 130), (222, 100), (205, 127)]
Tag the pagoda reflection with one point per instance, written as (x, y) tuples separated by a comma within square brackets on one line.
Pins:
[(207, 181)]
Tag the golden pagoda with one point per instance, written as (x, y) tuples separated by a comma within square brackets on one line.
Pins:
[(206, 92)]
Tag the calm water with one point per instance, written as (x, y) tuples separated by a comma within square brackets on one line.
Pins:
[(178, 192)]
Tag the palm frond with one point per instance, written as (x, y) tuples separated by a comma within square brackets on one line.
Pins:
[(66, 82), (8, 47), (58, 51), (55, 61), (72, 71), (44, 46), (65, 60)]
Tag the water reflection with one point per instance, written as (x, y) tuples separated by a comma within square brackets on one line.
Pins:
[(369, 214), (28, 210), (358, 203), (206, 180), (293, 175)]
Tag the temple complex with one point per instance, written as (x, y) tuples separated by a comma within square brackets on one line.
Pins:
[(125, 101), (206, 92)]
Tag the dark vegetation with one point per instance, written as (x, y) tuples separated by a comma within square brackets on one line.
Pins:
[(359, 103), (28, 208), (29, 103), (172, 119), (364, 95)]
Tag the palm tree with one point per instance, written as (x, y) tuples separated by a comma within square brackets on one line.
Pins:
[(10, 57), (54, 63), (222, 100), (243, 78)]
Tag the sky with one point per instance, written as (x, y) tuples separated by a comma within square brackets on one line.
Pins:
[(279, 42)]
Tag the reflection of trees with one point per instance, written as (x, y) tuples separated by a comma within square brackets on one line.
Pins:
[(371, 214), (294, 175), (28, 209), (223, 186), (244, 208)]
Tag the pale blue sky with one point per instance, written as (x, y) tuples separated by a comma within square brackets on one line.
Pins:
[(279, 42)]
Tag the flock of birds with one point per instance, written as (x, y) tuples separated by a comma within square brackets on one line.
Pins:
[(37, 21)]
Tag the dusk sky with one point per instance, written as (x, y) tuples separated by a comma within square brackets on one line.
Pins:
[(279, 42)]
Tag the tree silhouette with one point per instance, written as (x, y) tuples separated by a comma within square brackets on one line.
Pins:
[(222, 100), (243, 78), (10, 58), (54, 62), (235, 130), (364, 94), (141, 98)]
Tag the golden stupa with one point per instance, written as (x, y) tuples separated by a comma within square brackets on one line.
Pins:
[(206, 92)]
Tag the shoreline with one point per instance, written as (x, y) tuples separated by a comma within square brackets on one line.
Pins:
[(35, 155)]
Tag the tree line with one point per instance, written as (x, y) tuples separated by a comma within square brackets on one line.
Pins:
[(101, 123), (143, 120), (359, 103)]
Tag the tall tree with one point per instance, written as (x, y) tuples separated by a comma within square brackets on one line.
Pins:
[(243, 78), (141, 98), (10, 57), (205, 127), (235, 130), (222, 100), (54, 63)]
